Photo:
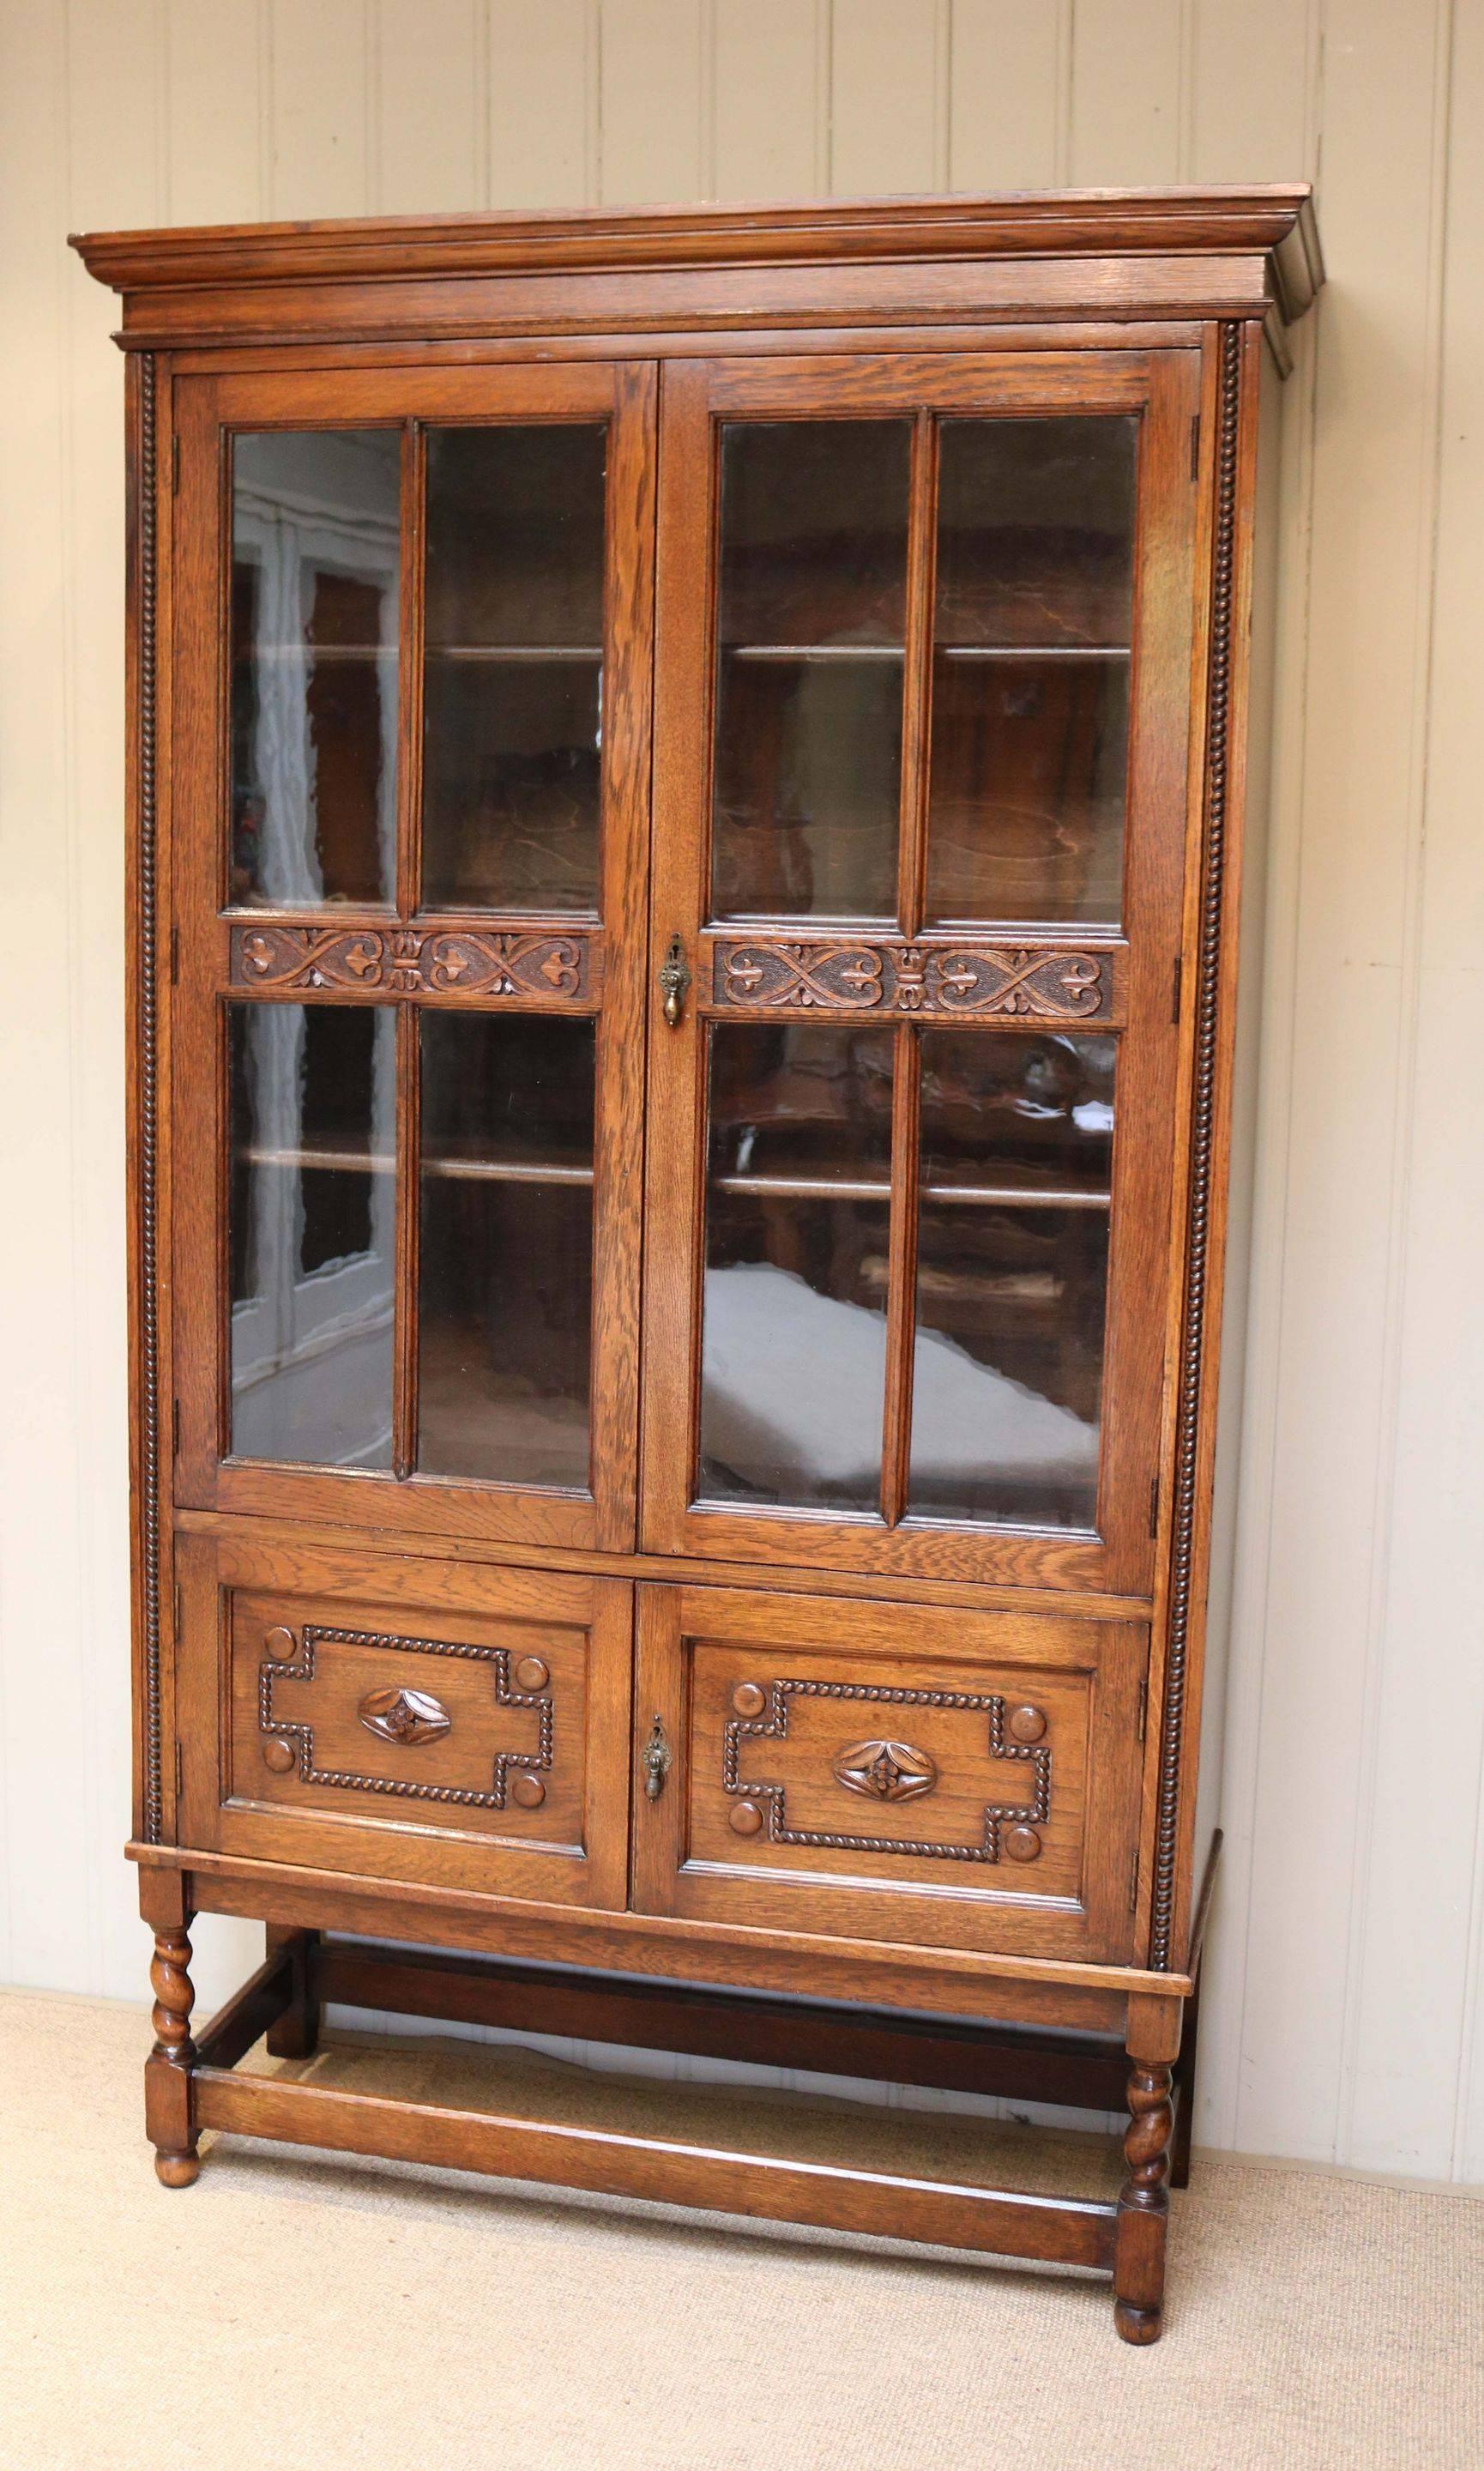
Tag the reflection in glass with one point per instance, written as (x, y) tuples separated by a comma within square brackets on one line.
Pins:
[(810, 665), (1033, 624), (312, 1232), (794, 1333), (1012, 1273), (505, 1270), (313, 665), (513, 652)]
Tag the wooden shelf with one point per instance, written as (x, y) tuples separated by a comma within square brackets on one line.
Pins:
[(941, 651), (470, 1171), (973, 1196), (530, 652)]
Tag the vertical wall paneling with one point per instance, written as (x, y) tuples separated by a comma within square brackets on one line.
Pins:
[(1408, 2094), (1439, 1544), (770, 80), (1130, 92), (1011, 69), (1280, 90), (890, 77), (322, 102), (1372, 507), (1347, 1964), (654, 135), (541, 106), (46, 1934), (213, 160), (117, 68), (1251, 73), (429, 149)]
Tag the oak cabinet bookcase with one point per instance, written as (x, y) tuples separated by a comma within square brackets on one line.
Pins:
[(687, 773)]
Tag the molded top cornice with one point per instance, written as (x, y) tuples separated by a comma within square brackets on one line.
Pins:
[(1275, 222)]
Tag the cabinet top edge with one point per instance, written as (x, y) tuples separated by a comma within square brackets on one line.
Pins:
[(1275, 220)]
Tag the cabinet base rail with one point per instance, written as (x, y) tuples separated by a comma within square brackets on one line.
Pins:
[(192, 2085)]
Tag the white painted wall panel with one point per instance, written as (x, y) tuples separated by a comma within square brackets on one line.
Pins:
[(1343, 2015)]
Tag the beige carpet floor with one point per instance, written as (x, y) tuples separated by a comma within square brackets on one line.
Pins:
[(301, 2314)]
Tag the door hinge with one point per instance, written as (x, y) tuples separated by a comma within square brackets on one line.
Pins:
[(175, 1428), (1195, 446), (1133, 1887), (175, 464), (1144, 1706), (179, 1772), (1154, 1505), (177, 1611), (175, 957), (1177, 987)]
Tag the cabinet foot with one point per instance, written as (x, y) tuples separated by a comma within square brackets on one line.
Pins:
[(168, 2111), (1144, 2205)]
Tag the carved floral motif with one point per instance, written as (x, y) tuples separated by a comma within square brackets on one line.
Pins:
[(414, 961), (984, 981), (888, 1770), (405, 1717)]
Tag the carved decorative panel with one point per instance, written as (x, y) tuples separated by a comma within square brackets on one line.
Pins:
[(405, 1717), (423, 1716), (966, 982), (888, 1771), (542, 969)]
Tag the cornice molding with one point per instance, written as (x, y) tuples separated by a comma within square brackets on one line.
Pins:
[(1275, 222)]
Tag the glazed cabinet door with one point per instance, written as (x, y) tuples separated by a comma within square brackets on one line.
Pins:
[(412, 618), (889, 1771), (925, 637)]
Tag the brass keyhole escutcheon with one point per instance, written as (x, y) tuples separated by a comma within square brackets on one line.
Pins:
[(674, 981), (655, 1760)]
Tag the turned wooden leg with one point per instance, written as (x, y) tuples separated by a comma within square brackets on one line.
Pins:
[(1143, 2200), (167, 2072), (296, 2032)]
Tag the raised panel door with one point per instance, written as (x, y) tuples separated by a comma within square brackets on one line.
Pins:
[(889, 1771)]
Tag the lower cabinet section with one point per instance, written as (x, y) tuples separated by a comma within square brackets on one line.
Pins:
[(889, 1771), (452, 1725), (827, 1767)]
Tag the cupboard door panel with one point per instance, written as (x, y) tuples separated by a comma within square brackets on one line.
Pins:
[(449, 1727), (910, 1206), (407, 1041), (894, 1773)]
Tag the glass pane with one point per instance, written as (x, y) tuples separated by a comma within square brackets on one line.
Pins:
[(315, 529), (312, 1232), (812, 596), (506, 1255), (793, 1344), (1012, 1276), (1034, 613), (513, 652)]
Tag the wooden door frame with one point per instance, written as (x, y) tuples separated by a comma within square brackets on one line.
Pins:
[(1140, 963), (209, 938)]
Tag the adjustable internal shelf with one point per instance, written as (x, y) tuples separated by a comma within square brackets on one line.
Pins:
[(468, 1171), (941, 651), (974, 1196)]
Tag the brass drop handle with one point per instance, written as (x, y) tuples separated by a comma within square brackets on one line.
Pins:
[(674, 981), (654, 1759)]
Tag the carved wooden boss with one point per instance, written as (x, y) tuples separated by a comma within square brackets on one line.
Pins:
[(686, 784)]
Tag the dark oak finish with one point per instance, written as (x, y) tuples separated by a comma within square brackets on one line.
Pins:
[(735, 1747)]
